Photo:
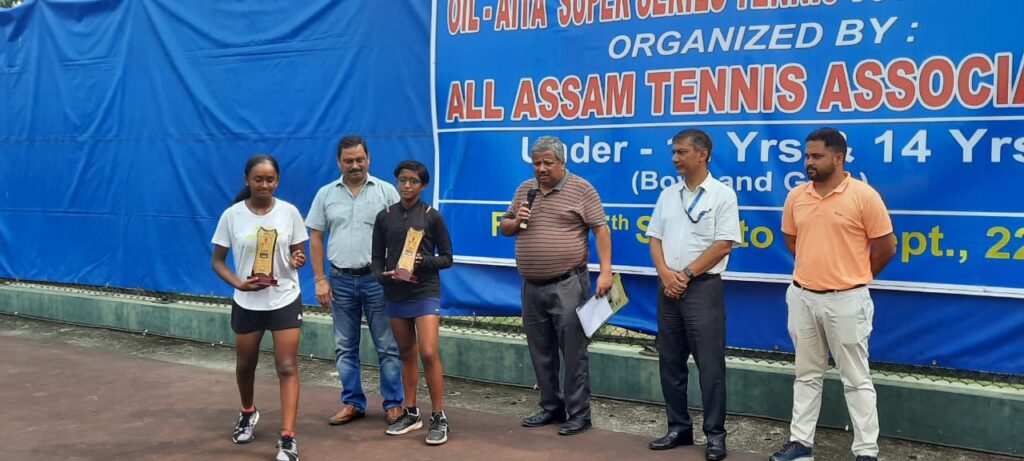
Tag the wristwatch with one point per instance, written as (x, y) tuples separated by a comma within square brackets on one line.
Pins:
[(688, 273)]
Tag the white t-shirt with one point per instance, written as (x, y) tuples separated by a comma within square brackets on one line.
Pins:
[(237, 230)]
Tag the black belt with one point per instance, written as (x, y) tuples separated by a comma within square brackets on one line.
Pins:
[(357, 271), (825, 292), (565, 276), (704, 276)]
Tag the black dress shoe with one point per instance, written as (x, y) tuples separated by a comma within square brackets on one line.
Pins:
[(574, 426), (543, 418), (671, 440), (715, 450)]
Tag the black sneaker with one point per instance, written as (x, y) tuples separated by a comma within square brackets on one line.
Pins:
[(244, 426), (407, 422), (438, 432), (287, 449), (792, 451)]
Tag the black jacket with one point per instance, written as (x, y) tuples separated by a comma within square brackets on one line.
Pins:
[(389, 231)]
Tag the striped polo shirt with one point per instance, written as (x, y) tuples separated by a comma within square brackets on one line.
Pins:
[(556, 240)]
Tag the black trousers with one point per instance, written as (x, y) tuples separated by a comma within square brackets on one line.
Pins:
[(552, 327), (693, 324)]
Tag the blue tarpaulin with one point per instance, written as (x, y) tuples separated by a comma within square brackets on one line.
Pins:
[(125, 126)]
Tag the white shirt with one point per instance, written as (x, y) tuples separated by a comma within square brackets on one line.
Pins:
[(712, 204), (236, 230)]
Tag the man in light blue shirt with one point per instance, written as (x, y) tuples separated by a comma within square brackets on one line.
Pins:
[(345, 210)]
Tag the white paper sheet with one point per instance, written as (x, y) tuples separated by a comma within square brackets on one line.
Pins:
[(594, 313)]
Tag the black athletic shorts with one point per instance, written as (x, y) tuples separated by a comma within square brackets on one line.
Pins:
[(247, 321)]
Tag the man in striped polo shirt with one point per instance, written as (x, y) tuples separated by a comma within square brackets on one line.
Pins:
[(550, 216)]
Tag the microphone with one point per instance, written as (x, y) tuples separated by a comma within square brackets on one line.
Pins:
[(530, 195)]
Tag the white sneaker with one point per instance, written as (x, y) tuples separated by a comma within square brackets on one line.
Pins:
[(287, 449), (244, 427)]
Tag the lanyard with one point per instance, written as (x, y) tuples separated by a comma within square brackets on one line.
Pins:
[(696, 199), (693, 204)]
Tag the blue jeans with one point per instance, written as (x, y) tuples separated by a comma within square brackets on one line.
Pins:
[(353, 296)]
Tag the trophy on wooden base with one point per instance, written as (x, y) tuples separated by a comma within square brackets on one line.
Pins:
[(407, 262), (263, 266)]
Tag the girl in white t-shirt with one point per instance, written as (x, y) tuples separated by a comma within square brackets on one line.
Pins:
[(263, 299)]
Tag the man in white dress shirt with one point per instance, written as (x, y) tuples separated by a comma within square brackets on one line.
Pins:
[(694, 227)]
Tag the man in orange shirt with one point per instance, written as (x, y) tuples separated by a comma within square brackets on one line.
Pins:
[(840, 232)]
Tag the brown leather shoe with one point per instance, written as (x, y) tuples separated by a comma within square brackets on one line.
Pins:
[(392, 414), (345, 415)]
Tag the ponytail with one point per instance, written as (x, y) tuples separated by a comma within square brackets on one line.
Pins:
[(243, 194)]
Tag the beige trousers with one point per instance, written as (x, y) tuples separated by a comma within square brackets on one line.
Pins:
[(839, 322)]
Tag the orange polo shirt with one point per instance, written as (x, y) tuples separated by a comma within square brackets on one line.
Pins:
[(833, 233)]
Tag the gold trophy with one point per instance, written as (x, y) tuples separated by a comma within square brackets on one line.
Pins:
[(407, 262), (263, 266)]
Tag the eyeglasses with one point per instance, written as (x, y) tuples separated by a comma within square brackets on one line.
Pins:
[(689, 209), (410, 181)]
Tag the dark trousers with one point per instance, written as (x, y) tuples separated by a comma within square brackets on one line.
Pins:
[(693, 324), (551, 324)]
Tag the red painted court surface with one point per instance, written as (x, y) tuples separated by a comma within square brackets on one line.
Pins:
[(62, 402)]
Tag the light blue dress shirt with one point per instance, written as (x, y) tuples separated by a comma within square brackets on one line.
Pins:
[(348, 220)]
